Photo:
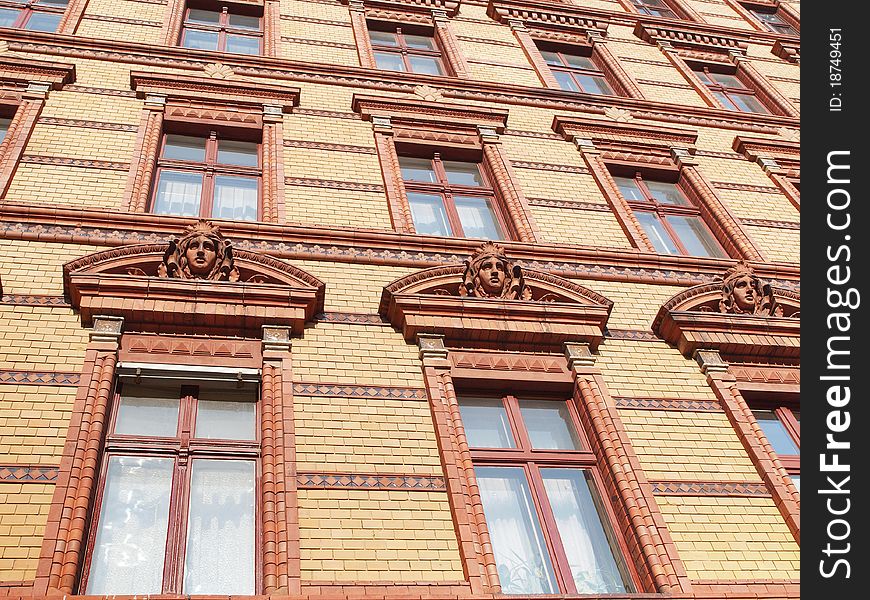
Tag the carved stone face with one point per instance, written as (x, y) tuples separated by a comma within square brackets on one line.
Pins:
[(201, 255), (744, 293), (492, 276)]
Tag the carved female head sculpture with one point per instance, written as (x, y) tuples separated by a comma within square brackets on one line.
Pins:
[(489, 274), (201, 253), (744, 292)]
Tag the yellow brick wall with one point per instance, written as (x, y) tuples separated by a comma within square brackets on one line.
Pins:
[(635, 305), (23, 513), (352, 435), (354, 288), (781, 245), (29, 267), (362, 535), (36, 338), (33, 423), (579, 227), (731, 538), (47, 184)]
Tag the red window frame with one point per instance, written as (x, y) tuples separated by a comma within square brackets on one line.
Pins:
[(644, 7), (703, 72), (183, 448), (223, 27), (210, 169), (785, 412), (531, 461), (29, 8), (573, 71), (448, 190), (663, 211), (403, 49), (782, 27)]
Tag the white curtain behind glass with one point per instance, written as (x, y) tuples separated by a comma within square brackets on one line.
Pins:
[(178, 194), (220, 529), (235, 198)]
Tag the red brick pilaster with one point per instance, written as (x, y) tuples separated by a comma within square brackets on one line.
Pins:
[(172, 22), (680, 65), (719, 217), (361, 34), (279, 502), (531, 51), (772, 96), (20, 130), (271, 27), (447, 41), (65, 533), (787, 187), (771, 471), (612, 67), (273, 164), (144, 162), (72, 16), (475, 548), (507, 186), (397, 197), (651, 548)]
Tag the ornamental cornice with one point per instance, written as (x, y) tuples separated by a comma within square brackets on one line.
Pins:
[(548, 15), (222, 91), (618, 136), (701, 36), (24, 70), (450, 7)]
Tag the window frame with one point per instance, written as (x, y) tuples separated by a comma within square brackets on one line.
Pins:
[(579, 51), (703, 71), (663, 211), (223, 28), (759, 13), (27, 10), (210, 170), (642, 8), (403, 50), (183, 445), (532, 461), (784, 411), (447, 191)]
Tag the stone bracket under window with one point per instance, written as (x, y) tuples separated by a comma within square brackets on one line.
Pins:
[(443, 125), (221, 103)]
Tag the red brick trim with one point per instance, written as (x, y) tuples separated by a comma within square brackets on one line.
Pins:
[(359, 481), (33, 300), (83, 163), (353, 318), (28, 473), (773, 224), (39, 378), (637, 335), (86, 124), (710, 488), (328, 146), (673, 404), (571, 204), (743, 187), (337, 390)]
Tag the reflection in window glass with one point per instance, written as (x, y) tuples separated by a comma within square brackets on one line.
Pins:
[(184, 147), (486, 423), (226, 415), (695, 237), (389, 62), (200, 40), (549, 425), (146, 410), (477, 218), (243, 44), (463, 173), (47, 22), (178, 193), (235, 198), (667, 193), (656, 233), (425, 65), (430, 217), (417, 169), (775, 432), (243, 154)]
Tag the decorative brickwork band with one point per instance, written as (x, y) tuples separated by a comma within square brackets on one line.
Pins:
[(675, 404), (39, 378), (326, 390), (353, 481), (27, 473), (64, 542), (710, 488)]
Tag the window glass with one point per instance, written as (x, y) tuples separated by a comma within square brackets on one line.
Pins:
[(147, 410), (420, 42), (629, 189), (549, 425), (796, 479), (656, 233), (580, 62), (486, 423), (4, 127), (726, 80), (226, 415), (594, 85), (43, 22), (430, 217), (695, 237), (775, 432), (178, 193), (244, 22), (219, 557), (425, 65), (477, 218), (184, 147), (463, 173), (134, 517), (551, 58), (749, 103), (203, 17), (243, 154), (383, 38), (8, 16), (521, 555), (667, 193), (389, 62), (566, 82), (242, 44), (200, 40), (590, 556), (417, 169), (235, 198)]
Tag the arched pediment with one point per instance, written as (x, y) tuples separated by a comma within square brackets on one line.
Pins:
[(155, 290), (530, 308), (765, 323)]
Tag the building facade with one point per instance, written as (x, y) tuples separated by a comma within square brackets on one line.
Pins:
[(400, 298)]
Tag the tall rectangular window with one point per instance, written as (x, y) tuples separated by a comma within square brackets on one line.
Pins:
[(403, 48), (671, 222), (208, 177), (237, 29), (33, 15), (654, 8), (451, 198), (576, 71), (538, 485), (781, 425), (177, 504), (730, 91)]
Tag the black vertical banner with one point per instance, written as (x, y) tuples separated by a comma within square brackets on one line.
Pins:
[(835, 254)]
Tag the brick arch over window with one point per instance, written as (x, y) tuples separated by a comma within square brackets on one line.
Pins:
[(473, 344), (181, 324)]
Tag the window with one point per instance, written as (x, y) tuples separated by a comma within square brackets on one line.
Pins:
[(33, 15), (236, 29), (730, 91), (208, 177), (773, 22), (177, 507), (654, 8), (451, 198), (538, 486), (781, 425), (401, 48), (4, 127), (576, 72), (671, 222)]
